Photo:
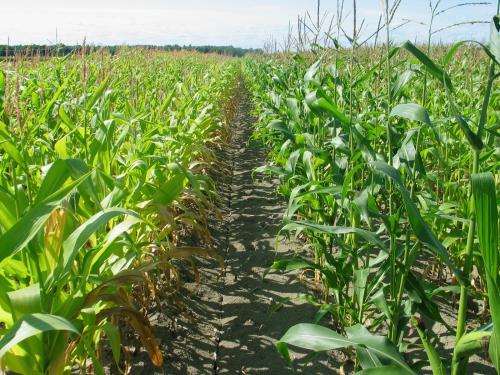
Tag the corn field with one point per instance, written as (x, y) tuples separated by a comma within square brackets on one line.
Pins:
[(386, 157)]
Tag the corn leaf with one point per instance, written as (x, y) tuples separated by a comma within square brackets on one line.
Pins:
[(9, 145), (484, 191), (97, 94), (318, 338), (417, 223), (435, 361), (483, 188), (31, 325), (81, 235), (382, 370), (335, 230), (18, 236), (413, 112), (495, 38), (428, 64), (324, 105)]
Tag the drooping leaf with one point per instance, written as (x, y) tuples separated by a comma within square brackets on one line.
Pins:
[(31, 325), (413, 112), (322, 104), (428, 64), (318, 338), (312, 71)]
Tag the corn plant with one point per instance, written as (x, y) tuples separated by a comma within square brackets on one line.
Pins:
[(386, 186), (105, 164)]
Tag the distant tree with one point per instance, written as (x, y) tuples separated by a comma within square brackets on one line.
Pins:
[(62, 50)]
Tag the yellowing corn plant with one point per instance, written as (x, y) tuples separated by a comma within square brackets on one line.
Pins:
[(104, 164)]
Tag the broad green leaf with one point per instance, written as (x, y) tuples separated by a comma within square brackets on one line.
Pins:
[(113, 336), (293, 108), (469, 344), (475, 142), (48, 107), (61, 147), (167, 102), (103, 254), (484, 191), (322, 104), (170, 190), (293, 264), (367, 358), (424, 304), (8, 212), (25, 301), (318, 338), (19, 235), (308, 164), (312, 71), (81, 235), (494, 348), (270, 169), (347, 181), (401, 82), (485, 201), (31, 325), (360, 281), (283, 350), (55, 177), (413, 112), (60, 171), (380, 301), (291, 162), (281, 127)]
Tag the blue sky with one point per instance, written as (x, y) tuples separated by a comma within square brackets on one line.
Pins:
[(245, 23)]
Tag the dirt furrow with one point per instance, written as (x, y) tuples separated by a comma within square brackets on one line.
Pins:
[(232, 320)]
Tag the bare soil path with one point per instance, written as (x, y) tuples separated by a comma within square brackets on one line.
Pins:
[(232, 320)]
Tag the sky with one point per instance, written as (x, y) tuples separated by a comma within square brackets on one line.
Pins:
[(243, 23)]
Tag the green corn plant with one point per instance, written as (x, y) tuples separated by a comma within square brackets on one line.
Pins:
[(334, 172)]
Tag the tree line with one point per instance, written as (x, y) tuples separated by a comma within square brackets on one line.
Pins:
[(62, 49)]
